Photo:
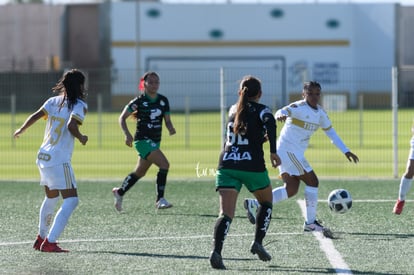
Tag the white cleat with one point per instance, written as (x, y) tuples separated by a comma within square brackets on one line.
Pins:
[(317, 227), (251, 207), (118, 199), (162, 204)]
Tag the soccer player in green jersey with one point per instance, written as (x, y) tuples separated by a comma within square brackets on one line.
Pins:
[(242, 162), (150, 110)]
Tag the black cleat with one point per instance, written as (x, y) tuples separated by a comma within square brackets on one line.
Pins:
[(216, 261), (258, 249)]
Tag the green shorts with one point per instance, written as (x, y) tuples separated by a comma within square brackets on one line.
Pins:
[(230, 178), (145, 147)]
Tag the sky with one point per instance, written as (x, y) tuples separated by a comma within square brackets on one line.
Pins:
[(402, 2)]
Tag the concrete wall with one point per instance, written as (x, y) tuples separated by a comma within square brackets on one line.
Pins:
[(30, 36)]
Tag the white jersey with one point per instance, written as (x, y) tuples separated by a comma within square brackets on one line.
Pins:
[(58, 142), (301, 124)]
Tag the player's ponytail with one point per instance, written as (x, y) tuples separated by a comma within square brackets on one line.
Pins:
[(239, 124), (250, 87)]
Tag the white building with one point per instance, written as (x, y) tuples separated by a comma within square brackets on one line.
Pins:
[(349, 48)]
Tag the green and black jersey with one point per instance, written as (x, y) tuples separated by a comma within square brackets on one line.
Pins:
[(150, 114), (245, 151)]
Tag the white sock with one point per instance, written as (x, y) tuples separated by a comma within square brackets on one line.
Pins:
[(311, 199), (279, 194), (405, 185), (46, 215), (62, 217)]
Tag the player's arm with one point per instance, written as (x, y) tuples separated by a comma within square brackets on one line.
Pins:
[(29, 122), (123, 124), (336, 140), (168, 124), (270, 125), (73, 127), (282, 114)]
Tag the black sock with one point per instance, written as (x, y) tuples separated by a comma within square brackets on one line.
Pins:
[(264, 215), (161, 181), (221, 229), (128, 182)]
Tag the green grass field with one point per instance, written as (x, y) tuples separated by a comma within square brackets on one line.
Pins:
[(370, 239), (196, 146)]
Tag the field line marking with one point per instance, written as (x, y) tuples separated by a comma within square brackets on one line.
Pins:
[(375, 200), (327, 246)]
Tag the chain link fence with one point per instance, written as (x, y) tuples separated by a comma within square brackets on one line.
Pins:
[(363, 118)]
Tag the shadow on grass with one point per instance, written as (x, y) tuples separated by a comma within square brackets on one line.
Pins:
[(143, 254), (315, 270), (376, 236), (215, 215), (255, 267)]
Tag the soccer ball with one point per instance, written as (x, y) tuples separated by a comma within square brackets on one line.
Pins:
[(340, 201)]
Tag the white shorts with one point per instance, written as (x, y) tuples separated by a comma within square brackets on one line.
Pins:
[(59, 177), (293, 164)]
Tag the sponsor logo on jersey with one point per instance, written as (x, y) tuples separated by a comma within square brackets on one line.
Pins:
[(235, 155), (44, 156)]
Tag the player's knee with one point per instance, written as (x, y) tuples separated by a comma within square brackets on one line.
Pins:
[(409, 173), (165, 165), (139, 173), (291, 192)]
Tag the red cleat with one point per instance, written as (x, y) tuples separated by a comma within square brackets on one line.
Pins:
[(38, 242), (398, 207), (51, 247)]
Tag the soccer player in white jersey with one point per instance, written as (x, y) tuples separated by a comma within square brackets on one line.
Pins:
[(64, 113), (302, 119)]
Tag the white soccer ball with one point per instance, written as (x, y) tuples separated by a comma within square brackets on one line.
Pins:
[(340, 201)]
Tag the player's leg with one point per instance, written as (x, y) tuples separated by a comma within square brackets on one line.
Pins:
[(140, 170), (228, 187), (311, 195), (46, 215), (143, 148), (405, 185), (311, 204), (228, 198), (62, 178), (293, 165), (70, 202), (289, 189), (158, 158), (263, 218)]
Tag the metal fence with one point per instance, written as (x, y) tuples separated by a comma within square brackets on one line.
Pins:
[(368, 125)]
